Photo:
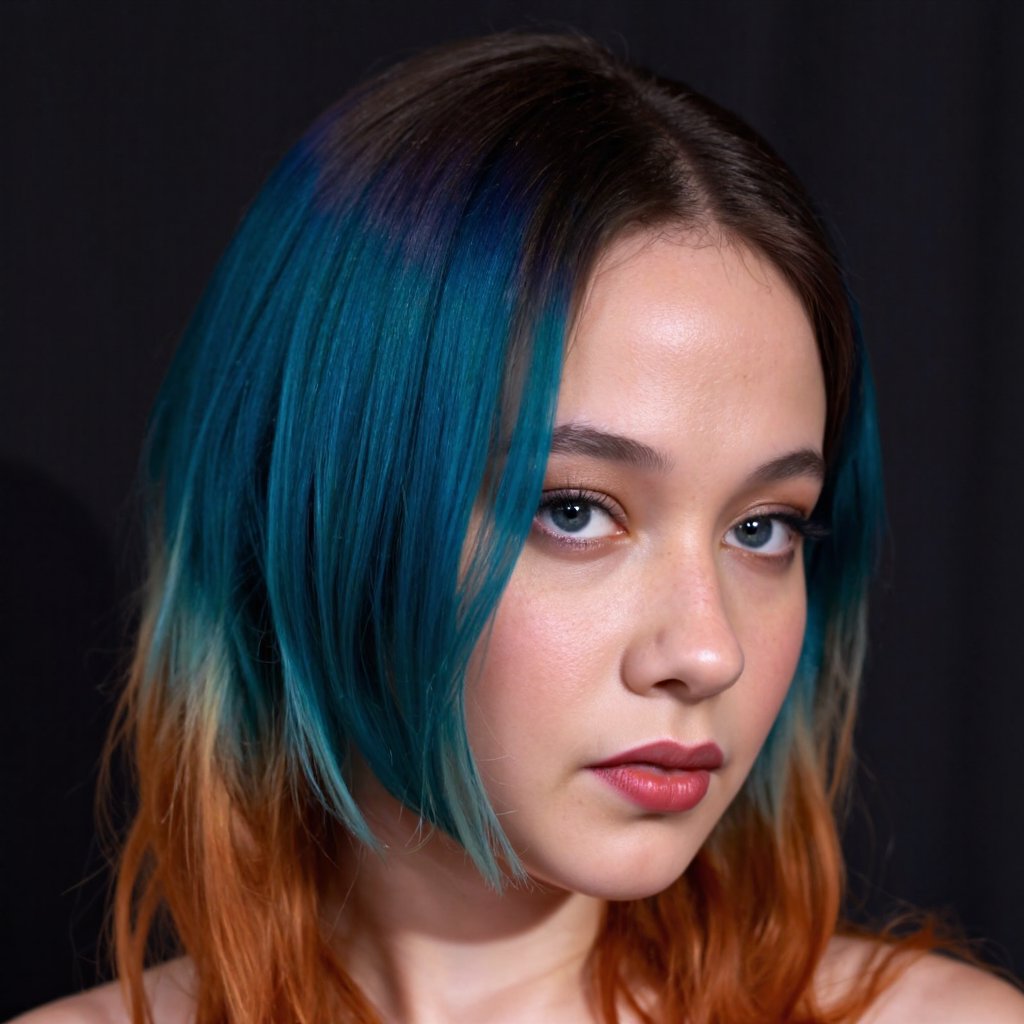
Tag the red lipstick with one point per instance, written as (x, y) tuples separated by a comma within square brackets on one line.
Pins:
[(664, 777)]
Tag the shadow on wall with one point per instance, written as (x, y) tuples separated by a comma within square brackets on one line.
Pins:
[(60, 655)]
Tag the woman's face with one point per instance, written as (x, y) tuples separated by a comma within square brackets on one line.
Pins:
[(660, 599)]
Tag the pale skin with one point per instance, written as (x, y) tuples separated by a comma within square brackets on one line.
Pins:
[(661, 596)]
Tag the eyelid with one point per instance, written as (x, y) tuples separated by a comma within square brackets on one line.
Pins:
[(804, 522), (585, 495)]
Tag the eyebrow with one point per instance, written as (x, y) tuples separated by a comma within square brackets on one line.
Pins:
[(579, 439), (802, 462)]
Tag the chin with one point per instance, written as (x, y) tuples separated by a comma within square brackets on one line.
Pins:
[(615, 874), (610, 887)]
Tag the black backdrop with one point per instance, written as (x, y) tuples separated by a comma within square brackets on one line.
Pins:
[(134, 134)]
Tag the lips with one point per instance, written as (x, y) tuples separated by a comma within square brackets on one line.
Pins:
[(670, 756), (663, 777)]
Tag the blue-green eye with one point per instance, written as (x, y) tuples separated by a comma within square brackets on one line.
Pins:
[(576, 516), (764, 534)]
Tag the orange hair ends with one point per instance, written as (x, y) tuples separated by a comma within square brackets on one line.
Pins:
[(235, 866)]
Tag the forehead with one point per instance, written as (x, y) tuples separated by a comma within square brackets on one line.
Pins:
[(692, 332)]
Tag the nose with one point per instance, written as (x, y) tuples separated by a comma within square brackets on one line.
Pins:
[(684, 638)]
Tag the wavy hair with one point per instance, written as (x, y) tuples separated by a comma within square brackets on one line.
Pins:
[(375, 361)]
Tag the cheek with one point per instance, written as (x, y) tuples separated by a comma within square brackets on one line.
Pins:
[(534, 671), (774, 639)]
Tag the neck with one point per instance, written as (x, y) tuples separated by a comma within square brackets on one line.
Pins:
[(429, 941)]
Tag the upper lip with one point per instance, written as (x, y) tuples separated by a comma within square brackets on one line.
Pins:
[(669, 754)]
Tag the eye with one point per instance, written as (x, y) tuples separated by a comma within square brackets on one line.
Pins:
[(768, 535), (577, 517)]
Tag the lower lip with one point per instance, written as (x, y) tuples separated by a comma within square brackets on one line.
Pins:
[(662, 792)]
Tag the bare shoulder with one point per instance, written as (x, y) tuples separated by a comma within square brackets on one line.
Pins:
[(932, 988), (169, 987), (936, 988)]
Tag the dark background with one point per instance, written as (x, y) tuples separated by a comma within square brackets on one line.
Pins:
[(133, 135)]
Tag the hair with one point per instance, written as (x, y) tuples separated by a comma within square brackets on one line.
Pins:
[(376, 360)]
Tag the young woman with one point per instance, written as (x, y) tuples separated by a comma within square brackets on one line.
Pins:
[(513, 500)]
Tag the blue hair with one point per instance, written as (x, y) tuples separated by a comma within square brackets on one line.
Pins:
[(336, 412)]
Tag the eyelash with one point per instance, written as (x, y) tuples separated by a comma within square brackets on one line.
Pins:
[(808, 529), (801, 526)]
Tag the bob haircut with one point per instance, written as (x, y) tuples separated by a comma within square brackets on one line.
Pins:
[(375, 364)]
